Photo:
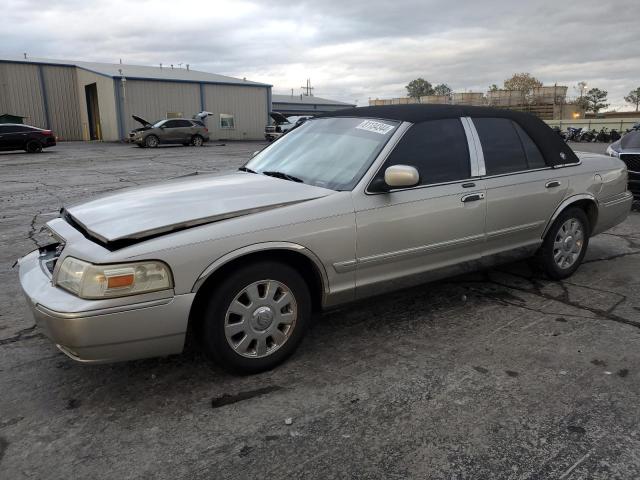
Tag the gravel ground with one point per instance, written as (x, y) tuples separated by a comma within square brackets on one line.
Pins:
[(499, 374)]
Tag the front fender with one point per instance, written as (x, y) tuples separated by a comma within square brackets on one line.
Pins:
[(262, 247)]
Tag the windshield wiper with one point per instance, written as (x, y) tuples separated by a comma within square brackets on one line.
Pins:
[(283, 175), (247, 169)]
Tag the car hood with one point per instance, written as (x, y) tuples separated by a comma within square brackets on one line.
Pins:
[(278, 118), (142, 121), (132, 215)]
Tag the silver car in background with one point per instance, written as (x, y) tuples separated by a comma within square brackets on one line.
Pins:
[(346, 206), (169, 131)]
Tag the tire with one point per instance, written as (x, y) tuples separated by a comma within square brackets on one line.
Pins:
[(33, 146), (252, 345), (151, 141), (197, 141), (565, 244)]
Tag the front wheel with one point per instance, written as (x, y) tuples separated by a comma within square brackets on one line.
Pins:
[(256, 318), (565, 244), (151, 141)]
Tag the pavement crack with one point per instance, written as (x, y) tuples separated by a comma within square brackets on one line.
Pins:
[(565, 300), (611, 257), (24, 334)]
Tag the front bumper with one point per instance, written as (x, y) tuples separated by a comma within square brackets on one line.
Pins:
[(101, 331)]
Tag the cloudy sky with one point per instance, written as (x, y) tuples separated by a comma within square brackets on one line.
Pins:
[(352, 50)]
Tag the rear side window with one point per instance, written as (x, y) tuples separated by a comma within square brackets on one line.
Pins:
[(501, 146), (183, 123), (506, 146), (534, 157), (437, 149)]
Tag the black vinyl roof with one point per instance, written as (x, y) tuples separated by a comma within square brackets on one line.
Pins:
[(552, 146)]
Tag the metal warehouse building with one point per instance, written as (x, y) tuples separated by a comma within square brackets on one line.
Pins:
[(95, 101), (306, 105)]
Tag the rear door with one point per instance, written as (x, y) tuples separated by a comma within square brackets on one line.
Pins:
[(522, 191), (406, 234)]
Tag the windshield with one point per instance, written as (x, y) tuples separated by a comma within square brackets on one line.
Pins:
[(158, 123), (331, 153)]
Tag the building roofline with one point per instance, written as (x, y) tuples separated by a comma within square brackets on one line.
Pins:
[(134, 77)]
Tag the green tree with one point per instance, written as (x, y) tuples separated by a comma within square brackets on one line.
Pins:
[(419, 87), (595, 100), (634, 98), (442, 89), (493, 87)]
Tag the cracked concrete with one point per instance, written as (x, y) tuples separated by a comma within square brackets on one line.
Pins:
[(496, 374)]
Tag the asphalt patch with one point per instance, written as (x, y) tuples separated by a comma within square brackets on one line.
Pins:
[(227, 399)]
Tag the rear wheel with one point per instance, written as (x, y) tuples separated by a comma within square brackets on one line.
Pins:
[(33, 146), (256, 318), (151, 141), (566, 244), (197, 141)]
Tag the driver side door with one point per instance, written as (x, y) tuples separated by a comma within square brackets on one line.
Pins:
[(436, 228)]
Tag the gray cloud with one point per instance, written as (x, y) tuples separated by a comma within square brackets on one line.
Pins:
[(351, 50)]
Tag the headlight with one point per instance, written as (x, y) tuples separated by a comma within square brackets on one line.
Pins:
[(104, 281), (611, 152)]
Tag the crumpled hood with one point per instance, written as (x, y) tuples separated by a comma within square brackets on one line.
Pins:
[(138, 213)]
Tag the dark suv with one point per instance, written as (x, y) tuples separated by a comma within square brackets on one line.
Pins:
[(15, 136), (173, 130)]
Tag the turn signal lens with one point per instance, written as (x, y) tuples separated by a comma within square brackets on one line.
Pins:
[(102, 281)]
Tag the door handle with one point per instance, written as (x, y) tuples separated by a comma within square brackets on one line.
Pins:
[(472, 197), (468, 185), (553, 183)]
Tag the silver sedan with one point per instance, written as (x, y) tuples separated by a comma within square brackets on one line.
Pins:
[(344, 207)]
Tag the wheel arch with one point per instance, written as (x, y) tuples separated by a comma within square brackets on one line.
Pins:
[(298, 256), (585, 201)]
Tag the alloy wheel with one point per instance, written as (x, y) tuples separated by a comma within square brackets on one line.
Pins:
[(568, 243), (260, 319)]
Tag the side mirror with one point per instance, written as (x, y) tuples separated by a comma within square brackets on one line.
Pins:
[(398, 176)]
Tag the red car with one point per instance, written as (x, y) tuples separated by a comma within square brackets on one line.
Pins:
[(14, 136)]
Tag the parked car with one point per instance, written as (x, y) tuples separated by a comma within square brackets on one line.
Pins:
[(172, 130), (15, 136), (348, 205), (282, 125), (627, 149)]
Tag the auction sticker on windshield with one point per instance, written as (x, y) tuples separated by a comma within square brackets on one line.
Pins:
[(376, 127)]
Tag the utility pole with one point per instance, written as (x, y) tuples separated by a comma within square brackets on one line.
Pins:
[(308, 89)]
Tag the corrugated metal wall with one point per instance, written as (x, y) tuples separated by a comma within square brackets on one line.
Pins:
[(152, 100), (248, 105), (22, 93), (62, 96)]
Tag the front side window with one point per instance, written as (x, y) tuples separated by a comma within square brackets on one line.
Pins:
[(332, 153), (506, 146), (227, 121), (437, 149)]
